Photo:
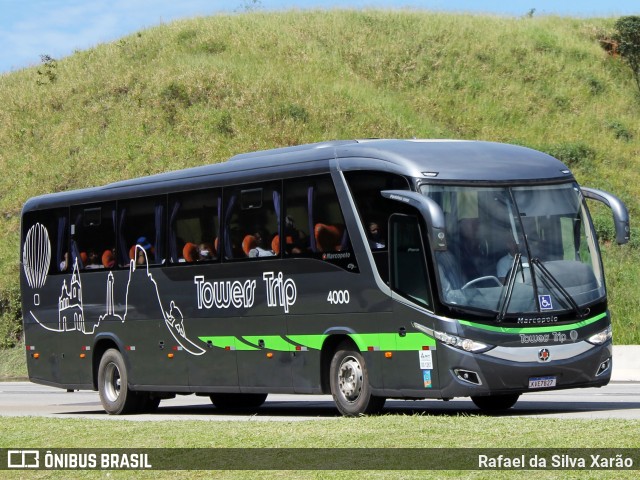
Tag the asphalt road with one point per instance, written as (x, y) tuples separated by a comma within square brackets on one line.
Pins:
[(616, 400)]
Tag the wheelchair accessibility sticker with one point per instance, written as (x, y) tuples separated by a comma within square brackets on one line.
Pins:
[(545, 302)]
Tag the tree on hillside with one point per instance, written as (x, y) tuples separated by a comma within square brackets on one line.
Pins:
[(627, 36)]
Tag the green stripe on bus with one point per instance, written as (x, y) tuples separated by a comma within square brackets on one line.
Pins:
[(227, 342), (271, 342), (414, 341), (365, 340), (545, 329), (382, 341), (392, 341), (313, 342)]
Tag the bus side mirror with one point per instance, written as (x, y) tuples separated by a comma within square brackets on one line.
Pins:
[(617, 206), (430, 211)]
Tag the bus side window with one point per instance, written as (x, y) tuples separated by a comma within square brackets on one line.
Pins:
[(47, 232), (93, 236), (374, 210), (251, 220), (329, 230), (314, 225), (296, 239), (141, 231), (194, 226), (408, 267)]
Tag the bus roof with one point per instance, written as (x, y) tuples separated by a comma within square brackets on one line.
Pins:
[(433, 160)]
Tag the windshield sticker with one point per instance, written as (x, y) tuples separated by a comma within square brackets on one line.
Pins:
[(545, 302)]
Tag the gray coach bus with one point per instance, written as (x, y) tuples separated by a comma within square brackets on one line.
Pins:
[(366, 269)]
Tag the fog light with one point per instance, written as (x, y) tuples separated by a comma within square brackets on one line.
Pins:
[(467, 376), (604, 366)]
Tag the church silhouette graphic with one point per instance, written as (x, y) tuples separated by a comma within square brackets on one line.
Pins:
[(71, 315)]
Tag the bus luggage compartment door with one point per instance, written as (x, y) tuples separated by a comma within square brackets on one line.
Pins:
[(264, 358)]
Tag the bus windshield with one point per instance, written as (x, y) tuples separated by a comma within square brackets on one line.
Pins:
[(517, 250)]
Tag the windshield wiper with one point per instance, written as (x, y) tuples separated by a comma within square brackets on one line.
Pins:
[(554, 282), (510, 283)]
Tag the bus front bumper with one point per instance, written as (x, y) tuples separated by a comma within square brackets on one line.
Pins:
[(505, 370)]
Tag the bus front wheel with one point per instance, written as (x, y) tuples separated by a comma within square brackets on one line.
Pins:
[(114, 391), (349, 380), (496, 402)]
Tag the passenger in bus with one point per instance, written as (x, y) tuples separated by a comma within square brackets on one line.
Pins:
[(92, 260), (205, 252), (144, 243), (255, 246), (376, 239), (64, 264)]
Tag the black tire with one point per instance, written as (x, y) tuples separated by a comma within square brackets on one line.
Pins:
[(494, 403), (349, 380), (113, 386), (238, 401)]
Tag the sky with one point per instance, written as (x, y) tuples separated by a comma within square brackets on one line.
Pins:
[(57, 28)]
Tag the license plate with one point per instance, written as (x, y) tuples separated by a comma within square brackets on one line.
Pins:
[(542, 382)]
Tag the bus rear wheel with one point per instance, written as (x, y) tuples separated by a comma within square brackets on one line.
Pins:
[(349, 380), (496, 402), (113, 386), (238, 401)]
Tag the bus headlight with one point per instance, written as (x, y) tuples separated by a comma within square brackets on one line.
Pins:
[(465, 344), (601, 337)]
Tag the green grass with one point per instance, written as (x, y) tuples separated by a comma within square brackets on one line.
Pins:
[(391, 431), (622, 276), (196, 92), (13, 364)]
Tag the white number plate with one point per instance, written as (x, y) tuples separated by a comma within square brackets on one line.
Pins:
[(542, 382)]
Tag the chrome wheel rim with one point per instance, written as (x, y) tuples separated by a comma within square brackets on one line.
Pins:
[(350, 379), (112, 382)]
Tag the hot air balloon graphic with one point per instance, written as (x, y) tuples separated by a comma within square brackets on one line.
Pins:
[(36, 257)]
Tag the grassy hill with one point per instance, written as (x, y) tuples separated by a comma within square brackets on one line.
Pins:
[(195, 92)]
